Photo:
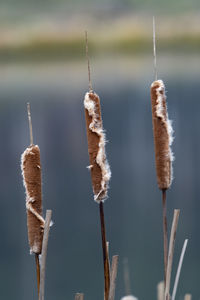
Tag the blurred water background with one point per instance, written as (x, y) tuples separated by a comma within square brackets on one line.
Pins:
[(42, 60)]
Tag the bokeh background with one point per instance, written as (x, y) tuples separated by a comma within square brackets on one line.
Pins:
[(42, 60)]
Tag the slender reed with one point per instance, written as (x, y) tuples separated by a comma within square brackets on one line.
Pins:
[(105, 254), (79, 296), (165, 238), (188, 297), (44, 252), (179, 269), (99, 167), (160, 290), (113, 277), (162, 131), (129, 297), (37, 262), (31, 172), (171, 253)]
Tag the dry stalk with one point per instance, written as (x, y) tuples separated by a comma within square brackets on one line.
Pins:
[(105, 254), (37, 262), (165, 238), (107, 247), (171, 253), (113, 277), (79, 296), (44, 252), (179, 269), (160, 290), (188, 297), (129, 297)]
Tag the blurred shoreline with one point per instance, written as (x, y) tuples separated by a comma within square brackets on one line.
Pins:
[(60, 39)]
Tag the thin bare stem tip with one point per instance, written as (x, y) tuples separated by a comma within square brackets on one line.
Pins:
[(30, 123), (154, 49), (88, 62)]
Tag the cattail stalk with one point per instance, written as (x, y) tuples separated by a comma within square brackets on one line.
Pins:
[(113, 277), (179, 269), (160, 290), (99, 167), (165, 238), (188, 297), (31, 172), (44, 252), (162, 130), (163, 137), (79, 296), (171, 253)]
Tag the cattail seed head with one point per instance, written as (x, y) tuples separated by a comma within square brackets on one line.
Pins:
[(163, 132), (99, 167), (31, 172)]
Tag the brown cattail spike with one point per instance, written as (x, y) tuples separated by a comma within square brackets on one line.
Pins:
[(162, 135), (100, 169), (31, 171)]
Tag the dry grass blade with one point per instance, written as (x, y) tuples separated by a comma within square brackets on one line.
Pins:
[(160, 290), (179, 269), (79, 296), (171, 252), (188, 297), (44, 252), (113, 276)]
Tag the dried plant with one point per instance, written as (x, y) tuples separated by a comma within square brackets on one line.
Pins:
[(31, 172), (163, 137), (99, 167)]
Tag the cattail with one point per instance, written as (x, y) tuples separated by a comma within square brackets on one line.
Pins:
[(31, 172), (163, 137), (99, 167), (163, 131)]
